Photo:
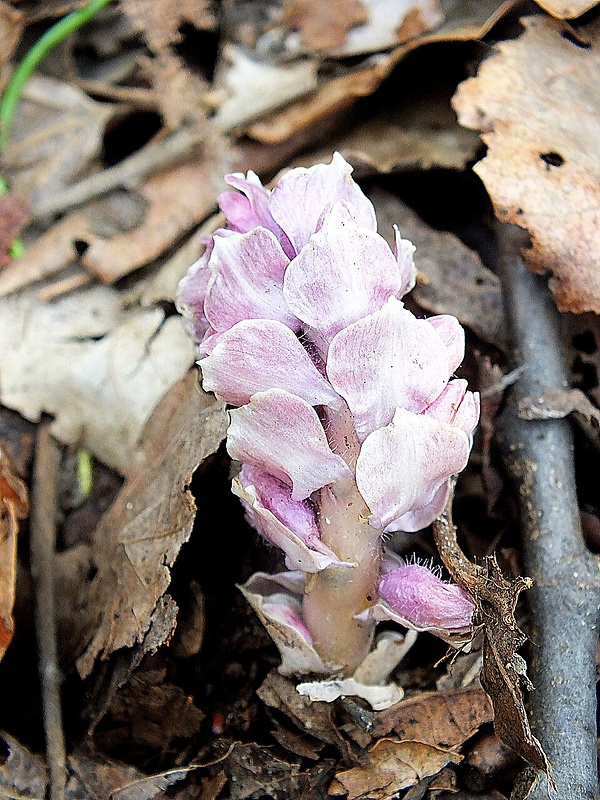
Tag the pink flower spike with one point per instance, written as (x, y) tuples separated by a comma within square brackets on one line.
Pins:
[(247, 280), (288, 524), (403, 252), (424, 601), (468, 413), (302, 196), (190, 298), (452, 334), (343, 274), (387, 360), (260, 354), (402, 465), (282, 434)]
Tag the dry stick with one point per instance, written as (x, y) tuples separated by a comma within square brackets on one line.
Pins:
[(43, 538), (565, 599), (128, 173)]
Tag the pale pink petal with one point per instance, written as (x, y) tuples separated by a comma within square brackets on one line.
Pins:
[(420, 516), (424, 600), (190, 298), (260, 354), (456, 406), (302, 196), (282, 434), (467, 415), (387, 360), (452, 334), (277, 599), (247, 280), (402, 465), (404, 251), (288, 524), (343, 274), (251, 208)]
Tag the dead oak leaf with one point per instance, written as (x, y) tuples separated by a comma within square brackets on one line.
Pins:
[(537, 102), (140, 536), (392, 765), (13, 506), (442, 719), (98, 369)]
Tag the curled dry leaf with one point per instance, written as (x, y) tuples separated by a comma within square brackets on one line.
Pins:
[(153, 515), (99, 370), (13, 506), (504, 671), (537, 102), (392, 765), (463, 21)]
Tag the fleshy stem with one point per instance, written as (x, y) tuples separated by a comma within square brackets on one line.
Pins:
[(52, 37), (335, 596)]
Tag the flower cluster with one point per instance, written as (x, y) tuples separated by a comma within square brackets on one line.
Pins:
[(346, 419)]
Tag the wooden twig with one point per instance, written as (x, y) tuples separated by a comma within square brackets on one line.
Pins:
[(129, 173), (43, 539), (565, 598)]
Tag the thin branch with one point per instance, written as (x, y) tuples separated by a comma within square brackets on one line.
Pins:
[(565, 598), (43, 540), (129, 173)]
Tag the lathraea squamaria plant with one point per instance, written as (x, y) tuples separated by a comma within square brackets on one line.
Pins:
[(345, 418)]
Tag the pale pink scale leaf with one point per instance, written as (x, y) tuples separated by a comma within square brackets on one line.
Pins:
[(260, 354), (247, 280), (344, 273), (282, 434), (288, 524), (452, 334), (402, 465), (385, 361), (302, 196)]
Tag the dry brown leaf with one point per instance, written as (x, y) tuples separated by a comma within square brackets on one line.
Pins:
[(57, 133), (13, 506), (247, 88), (255, 773), (464, 20), (153, 515), (445, 719), (392, 765), (176, 201), (411, 133), (567, 9), (504, 671), (537, 100), (323, 26), (98, 369)]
